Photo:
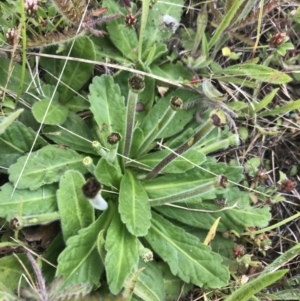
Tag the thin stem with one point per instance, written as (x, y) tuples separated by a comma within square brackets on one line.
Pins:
[(220, 145), (204, 130), (145, 11), (130, 118), (181, 197), (32, 220), (150, 138)]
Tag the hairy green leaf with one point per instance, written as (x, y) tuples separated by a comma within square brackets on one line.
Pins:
[(75, 210), (10, 75), (26, 202), (259, 73), (179, 165), (204, 214), (16, 141), (45, 166), (163, 20), (80, 261), (249, 289), (150, 285), (6, 121), (73, 133), (108, 107), (191, 260), (76, 73), (134, 205), (12, 271), (123, 37), (122, 254), (56, 114), (108, 174)]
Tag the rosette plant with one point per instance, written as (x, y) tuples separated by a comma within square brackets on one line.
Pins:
[(129, 173), (160, 185)]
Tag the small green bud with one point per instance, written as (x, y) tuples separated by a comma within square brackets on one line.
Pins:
[(89, 164), (136, 83)]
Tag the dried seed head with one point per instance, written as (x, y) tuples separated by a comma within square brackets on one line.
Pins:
[(11, 36), (223, 181), (91, 188), (277, 39), (31, 7), (239, 251), (176, 103), (136, 83), (288, 185), (218, 118), (14, 223), (130, 20), (113, 138)]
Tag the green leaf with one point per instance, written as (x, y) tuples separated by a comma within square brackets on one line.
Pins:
[(179, 165), (78, 103), (16, 141), (56, 113), (12, 271), (134, 205), (293, 105), (191, 260), (191, 185), (45, 166), (108, 174), (174, 72), (258, 72), (76, 73), (26, 202), (75, 210), (282, 260), (163, 20), (74, 133), (122, 254), (8, 120), (265, 101), (226, 21), (80, 261), (238, 218), (150, 285), (10, 76), (173, 285), (178, 122), (249, 289), (108, 107), (123, 37)]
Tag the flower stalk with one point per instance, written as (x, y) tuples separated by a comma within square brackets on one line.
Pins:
[(216, 119), (89, 164), (99, 149), (175, 105), (113, 139), (19, 222), (233, 140), (192, 193), (136, 85)]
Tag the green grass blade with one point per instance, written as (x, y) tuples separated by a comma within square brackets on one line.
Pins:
[(225, 22), (254, 286)]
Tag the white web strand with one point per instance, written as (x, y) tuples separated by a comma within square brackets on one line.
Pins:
[(50, 102)]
